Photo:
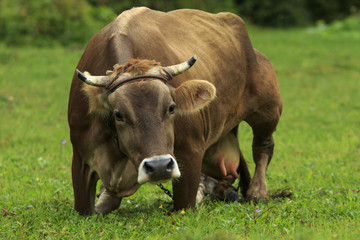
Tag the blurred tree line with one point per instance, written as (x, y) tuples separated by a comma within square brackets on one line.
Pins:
[(48, 22)]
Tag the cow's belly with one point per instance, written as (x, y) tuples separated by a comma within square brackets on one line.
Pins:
[(222, 158)]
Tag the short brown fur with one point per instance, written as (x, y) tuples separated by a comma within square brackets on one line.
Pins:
[(135, 67), (246, 90), (97, 96)]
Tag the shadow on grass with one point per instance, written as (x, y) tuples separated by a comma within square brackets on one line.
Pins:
[(284, 193), (148, 207)]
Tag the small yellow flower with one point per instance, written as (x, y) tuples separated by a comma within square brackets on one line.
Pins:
[(160, 206), (182, 212)]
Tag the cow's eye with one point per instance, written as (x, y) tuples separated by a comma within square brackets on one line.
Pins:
[(172, 108), (118, 116)]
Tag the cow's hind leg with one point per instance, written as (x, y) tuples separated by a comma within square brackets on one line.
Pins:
[(244, 175), (227, 156), (224, 191), (84, 184), (263, 146)]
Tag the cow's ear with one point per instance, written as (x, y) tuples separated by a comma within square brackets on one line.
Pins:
[(97, 99), (194, 95)]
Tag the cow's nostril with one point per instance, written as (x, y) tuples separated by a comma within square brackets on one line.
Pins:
[(158, 168), (170, 166), (148, 169)]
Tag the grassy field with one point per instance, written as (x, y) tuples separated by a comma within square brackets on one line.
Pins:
[(316, 155)]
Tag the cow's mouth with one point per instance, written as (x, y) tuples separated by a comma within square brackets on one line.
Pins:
[(158, 169)]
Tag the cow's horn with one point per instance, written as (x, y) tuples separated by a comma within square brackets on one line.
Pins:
[(98, 81), (182, 67)]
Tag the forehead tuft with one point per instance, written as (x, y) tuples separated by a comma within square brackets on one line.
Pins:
[(136, 66)]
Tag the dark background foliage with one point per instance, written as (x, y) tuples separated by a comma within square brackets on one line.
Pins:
[(283, 13), (65, 22)]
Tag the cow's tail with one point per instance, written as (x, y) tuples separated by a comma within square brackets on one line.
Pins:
[(244, 175)]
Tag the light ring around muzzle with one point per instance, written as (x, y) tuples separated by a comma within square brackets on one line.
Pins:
[(157, 169)]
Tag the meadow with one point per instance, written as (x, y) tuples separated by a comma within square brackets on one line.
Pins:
[(317, 152)]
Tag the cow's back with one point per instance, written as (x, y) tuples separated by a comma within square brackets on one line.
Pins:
[(226, 57), (246, 89), (220, 40)]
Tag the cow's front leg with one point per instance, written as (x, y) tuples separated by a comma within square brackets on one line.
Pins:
[(84, 184), (185, 188), (262, 153), (107, 202)]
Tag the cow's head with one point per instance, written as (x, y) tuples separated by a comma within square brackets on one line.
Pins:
[(143, 106)]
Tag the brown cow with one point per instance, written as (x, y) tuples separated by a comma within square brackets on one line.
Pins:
[(128, 132)]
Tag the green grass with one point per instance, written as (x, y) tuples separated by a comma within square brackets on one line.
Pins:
[(316, 155)]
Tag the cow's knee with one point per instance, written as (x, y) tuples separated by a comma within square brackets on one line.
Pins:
[(106, 202)]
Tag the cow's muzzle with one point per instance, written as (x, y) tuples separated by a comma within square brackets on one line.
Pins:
[(158, 169)]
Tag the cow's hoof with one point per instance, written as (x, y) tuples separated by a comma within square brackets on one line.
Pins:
[(224, 191), (231, 196), (257, 192), (257, 198)]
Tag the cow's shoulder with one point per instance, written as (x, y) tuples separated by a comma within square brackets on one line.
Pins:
[(230, 19)]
